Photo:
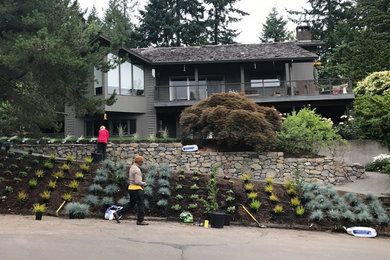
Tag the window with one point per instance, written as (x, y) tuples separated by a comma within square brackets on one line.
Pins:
[(113, 76), (126, 126), (98, 81), (126, 78), (138, 80), (184, 88), (259, 83)]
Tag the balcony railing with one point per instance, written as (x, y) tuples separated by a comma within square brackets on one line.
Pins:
[(255, 88)]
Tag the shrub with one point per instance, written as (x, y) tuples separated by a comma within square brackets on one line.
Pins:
[(193, 205), (252, 195), (288, 184), (194, 197), (233, 120), (181, 177), (229, 192), (278, 209), (102, 172), (52, 157), (23, 174), (195, 178), (352, 199), (70, 159), (317, 215), (163, 203), (308, 196), (13, 167), (150, 180), (22, 196), (231, 209), (273, 198), (8, 189), (249, 187), (245, 177), (148, 191), (32, 183), (16, 179), (295, 202), (88, 160), (178, 187), (111, 189), (107, 201), (65, 167), (73, 184), (123, 201), (365, 216), (67, 197), (39, 207), (163, 182), (194, 187), (79, 175), (39, 173), (58, 175), (269, 189), (84, 168), (100, 178), (95, 188), (165, 171), (45, 195), (292, 192), (349, 216), (300, 210), (229, 198), (164, 191), (270, 181), (383, 218), (334, 214), (306, 132), (179, 197), (255, 205), (77, 210), (48, 165), (91, 200), (176, 207)]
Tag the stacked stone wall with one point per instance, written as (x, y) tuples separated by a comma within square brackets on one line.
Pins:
[(322, 170)]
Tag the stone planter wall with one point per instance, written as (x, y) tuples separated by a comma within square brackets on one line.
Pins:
[(260, 165)]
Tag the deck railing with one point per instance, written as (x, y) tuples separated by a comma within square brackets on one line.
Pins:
[(254, 88)]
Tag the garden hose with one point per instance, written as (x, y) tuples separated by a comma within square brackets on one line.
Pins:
[(247, 211)]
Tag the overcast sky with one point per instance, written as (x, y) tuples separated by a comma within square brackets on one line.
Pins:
[(250, 26)]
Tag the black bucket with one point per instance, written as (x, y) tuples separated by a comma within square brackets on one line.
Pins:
[(217, 219)]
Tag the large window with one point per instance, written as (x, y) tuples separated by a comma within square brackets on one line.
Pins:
[(98, 81), (124, 127), (126, 78), (184, 88)]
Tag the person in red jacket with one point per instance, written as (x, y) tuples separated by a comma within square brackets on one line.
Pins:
[(102, 141)]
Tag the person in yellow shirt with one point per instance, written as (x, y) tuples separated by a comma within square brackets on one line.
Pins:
[(136, 192)]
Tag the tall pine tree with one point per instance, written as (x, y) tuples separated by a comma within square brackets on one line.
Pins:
[(220, 16), (274, 28), (171, 23), (117, 23)]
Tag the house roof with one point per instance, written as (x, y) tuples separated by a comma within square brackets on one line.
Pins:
[(225, 53)]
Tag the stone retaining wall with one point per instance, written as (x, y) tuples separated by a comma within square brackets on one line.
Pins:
[(322, 170)]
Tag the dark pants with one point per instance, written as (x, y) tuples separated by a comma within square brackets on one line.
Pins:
[(136, 197), (101, 148)]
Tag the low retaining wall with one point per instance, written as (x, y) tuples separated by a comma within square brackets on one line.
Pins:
[(259, 165)]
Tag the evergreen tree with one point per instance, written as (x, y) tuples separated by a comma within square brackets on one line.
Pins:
[(327, 19), (220, 16), (171, 23), (117, 23), (274, 28), (45, 63)]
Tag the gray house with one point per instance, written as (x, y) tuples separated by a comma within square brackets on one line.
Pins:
[(155, 84)]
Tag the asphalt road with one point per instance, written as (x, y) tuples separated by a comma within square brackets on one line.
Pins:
[(22, 237)]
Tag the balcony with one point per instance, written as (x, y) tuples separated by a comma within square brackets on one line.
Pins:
[(260, 91)]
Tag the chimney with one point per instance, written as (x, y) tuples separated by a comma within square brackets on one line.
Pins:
[(303, 33)]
